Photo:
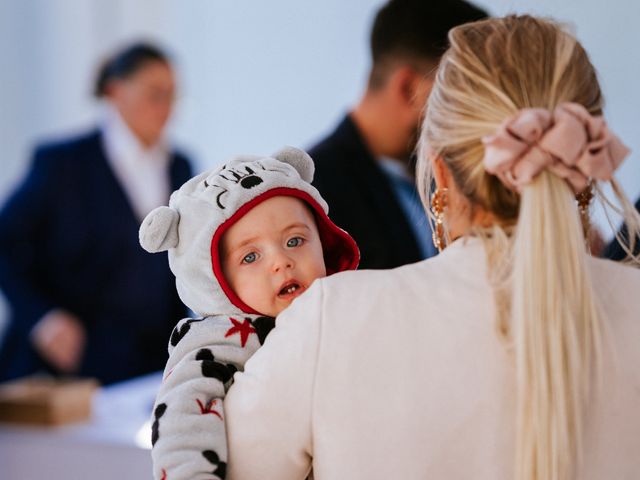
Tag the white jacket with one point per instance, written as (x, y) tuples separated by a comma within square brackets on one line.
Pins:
[(400, 374)]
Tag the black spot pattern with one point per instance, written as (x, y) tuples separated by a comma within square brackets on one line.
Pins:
[(179, 333), (263, 325), (213, 458), (155, 428), (212, 369)]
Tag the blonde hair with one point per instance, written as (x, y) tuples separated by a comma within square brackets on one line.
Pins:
[(536, 249)]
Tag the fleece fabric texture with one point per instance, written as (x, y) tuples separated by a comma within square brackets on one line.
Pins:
[(188, 430)]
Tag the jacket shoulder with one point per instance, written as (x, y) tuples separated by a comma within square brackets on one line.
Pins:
[(327, 149), (616, 278), (181, 167), (180, 157), (340, 160), (69, 148)]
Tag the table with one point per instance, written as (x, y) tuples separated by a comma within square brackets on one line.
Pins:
[(113, 444)]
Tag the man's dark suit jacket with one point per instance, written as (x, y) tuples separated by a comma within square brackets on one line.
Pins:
[(69, 239), (361, 199), (614, 251)]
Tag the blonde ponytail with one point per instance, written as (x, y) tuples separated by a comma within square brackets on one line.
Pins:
[(555, 327), (538, 263)]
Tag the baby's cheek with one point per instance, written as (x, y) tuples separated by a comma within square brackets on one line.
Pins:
[(321, 271)]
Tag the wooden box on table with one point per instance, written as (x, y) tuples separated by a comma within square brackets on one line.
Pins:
[(46, 401)]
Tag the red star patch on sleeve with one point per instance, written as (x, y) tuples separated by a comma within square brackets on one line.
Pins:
[(244, 329), (209, 408)]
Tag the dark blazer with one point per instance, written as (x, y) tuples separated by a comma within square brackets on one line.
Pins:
[(614, 251), (69, 239), (361, 199)]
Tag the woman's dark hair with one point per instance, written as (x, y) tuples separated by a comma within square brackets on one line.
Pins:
[(125, 63)]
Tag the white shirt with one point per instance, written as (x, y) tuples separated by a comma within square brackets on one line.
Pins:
[(142, 171), (404, 187)]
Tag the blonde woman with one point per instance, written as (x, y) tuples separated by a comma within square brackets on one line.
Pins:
[(512, 354)]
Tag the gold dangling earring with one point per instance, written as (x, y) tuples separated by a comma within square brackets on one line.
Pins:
[(584, 199), (438, 204)]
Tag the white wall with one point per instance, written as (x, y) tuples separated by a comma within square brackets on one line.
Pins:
[(254, 75), (259, 75)]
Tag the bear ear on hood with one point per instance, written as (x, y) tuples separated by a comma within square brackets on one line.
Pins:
[(298, 159), (159, 230)]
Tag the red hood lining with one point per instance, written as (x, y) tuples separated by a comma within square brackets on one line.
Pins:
[(339, 249)]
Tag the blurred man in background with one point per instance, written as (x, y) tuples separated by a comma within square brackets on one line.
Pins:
[(364, 168)]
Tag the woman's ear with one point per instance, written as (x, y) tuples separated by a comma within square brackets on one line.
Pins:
[(441, 173)]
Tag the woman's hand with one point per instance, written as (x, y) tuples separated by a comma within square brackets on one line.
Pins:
[(60, 339)]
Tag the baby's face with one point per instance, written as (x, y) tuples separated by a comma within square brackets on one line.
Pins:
[(272, 254)]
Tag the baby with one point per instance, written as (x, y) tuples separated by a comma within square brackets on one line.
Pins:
[(244, 241)]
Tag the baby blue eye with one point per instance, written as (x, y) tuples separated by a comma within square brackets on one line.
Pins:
[(250, 258), (294, 242)]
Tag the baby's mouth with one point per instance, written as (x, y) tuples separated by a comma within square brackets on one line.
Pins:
[(290, 289)]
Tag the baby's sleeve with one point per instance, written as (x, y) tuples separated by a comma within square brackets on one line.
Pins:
[(188, 429)]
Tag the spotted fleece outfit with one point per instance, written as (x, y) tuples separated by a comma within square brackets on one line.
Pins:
[(188, 430)]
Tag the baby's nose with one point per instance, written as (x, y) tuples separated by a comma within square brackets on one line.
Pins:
[(282, 261)]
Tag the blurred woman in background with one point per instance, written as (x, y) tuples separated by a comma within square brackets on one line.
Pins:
[(85, 299)]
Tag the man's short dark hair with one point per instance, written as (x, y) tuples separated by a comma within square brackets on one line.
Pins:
[(415, 31)]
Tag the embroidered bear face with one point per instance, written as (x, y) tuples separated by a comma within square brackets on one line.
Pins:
[(229, 177), (240, 175)]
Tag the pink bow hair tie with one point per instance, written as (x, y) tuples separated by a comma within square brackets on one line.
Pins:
[(570, 142)]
